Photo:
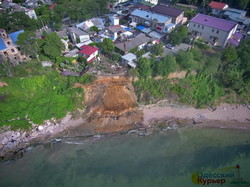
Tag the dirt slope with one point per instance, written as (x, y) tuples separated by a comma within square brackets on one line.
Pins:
[(111, 102)]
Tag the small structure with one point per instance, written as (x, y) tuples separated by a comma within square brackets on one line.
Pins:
[(235, 39), (31, 13), (217, 7), (77, 35), (213, 30), (114, 20), (129, 59), (89, 52)]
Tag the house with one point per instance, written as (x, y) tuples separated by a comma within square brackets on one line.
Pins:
[(154, 21), (77, 36), (139, 42), (115, 31), (89, 52), (213, 30), (8, 48), (177, 15), (217, 7), (153, 2), (129, 59), (114, 20), (236, 15), (86, 25)]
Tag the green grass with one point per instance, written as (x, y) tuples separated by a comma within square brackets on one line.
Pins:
[(17, 124)]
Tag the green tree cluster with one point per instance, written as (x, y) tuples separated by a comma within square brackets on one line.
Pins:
[(178, 35), (18, 21), (157, 49), (50, 47)]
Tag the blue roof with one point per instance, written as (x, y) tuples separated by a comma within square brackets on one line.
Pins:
[(2, 45), (112, 37), (14, 36), (140, 27), (127, 29)]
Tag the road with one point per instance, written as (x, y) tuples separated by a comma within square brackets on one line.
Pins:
[(176, 49)]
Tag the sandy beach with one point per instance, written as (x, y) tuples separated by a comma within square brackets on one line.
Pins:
[(224, 112)]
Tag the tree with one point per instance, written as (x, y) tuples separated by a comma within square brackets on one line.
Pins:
[(242, 4), (229, 54), (52, 46), (185, 60), (166, 65), (232, 76), (108, 45), (157, 49), (145, 69), (28, 44), (178, 35)]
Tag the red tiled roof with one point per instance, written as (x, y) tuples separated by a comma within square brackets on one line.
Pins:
[(217, 5), (88, 50)]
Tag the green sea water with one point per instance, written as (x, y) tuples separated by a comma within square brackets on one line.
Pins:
[(166, 158)]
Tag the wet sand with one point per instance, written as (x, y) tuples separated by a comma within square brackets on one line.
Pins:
[(225, 112)]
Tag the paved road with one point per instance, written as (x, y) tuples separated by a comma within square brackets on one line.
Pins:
[(182, 46)]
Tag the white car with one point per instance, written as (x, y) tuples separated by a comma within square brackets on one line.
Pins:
[(169, 46)]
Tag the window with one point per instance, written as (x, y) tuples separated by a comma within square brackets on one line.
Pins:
[(8, 43), (194, 25), (198, 26), (12, 50), (213, 30), (217, 31), (202, 27)]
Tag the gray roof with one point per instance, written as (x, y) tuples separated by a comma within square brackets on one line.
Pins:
[(77, 31), (129, 57), (150, 16), (133, 42)]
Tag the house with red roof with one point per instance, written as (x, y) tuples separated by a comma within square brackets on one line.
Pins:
[(217, 7), (89, 52), (213, 30)]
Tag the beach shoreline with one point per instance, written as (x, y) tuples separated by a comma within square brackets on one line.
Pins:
[(13, 143), (225, 112)]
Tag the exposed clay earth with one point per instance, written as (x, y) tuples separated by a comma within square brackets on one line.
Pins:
[(110, 104)]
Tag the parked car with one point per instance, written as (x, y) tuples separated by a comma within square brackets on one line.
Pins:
[(169, 46)]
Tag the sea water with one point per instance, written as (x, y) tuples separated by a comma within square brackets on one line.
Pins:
[(171, 158)]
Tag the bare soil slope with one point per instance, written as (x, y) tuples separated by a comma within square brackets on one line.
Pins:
[(111, 102)]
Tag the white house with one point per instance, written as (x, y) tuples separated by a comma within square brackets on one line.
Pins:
[(77, 35), (211, 29), (129, 59), (154, 2), (89, 52), (217, 7)]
